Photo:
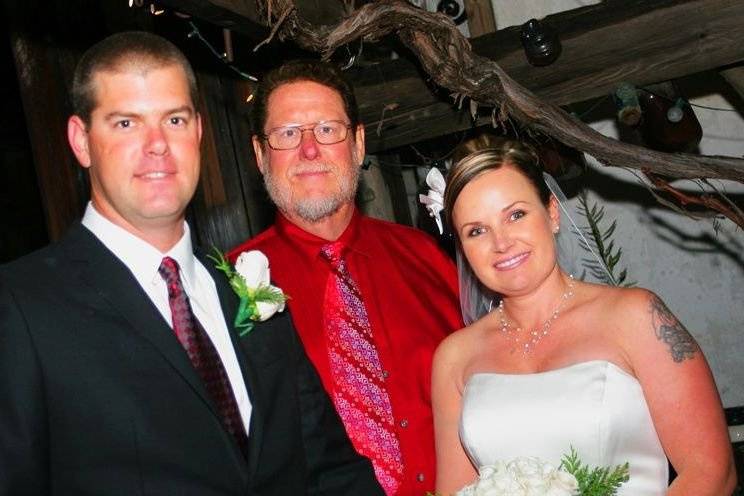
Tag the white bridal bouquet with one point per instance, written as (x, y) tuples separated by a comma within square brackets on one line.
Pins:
[(530, 476)]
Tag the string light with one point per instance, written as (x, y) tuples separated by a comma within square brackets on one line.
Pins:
[(592, 108), (717, 109), (438, 160), (195, 33)]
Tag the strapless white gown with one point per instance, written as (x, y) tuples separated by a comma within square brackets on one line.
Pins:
[(594, 406)]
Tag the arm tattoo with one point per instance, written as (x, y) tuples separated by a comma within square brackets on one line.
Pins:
[(671, 331)]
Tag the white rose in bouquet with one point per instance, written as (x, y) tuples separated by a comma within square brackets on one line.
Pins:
[(530, 476), (524, 476)]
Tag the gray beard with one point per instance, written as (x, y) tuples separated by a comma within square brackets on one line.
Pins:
[(312, 210)]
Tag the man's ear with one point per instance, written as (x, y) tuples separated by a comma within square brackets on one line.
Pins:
[(359, 142), (77, 136), (259, 151)]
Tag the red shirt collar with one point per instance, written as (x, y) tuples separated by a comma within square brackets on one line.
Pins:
[(311, 244)]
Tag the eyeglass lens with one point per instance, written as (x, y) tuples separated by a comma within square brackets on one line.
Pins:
[(326, 133)]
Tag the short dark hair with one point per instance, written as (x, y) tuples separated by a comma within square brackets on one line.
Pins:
[(303, 70), (491, 153), (120, 51)]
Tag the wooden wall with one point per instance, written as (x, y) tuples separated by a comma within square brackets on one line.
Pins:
[(230, 204)]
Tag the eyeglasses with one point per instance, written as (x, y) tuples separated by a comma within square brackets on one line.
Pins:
[(289, 137)]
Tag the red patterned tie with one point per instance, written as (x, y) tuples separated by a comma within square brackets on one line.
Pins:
[(359, 391), (202, 353)]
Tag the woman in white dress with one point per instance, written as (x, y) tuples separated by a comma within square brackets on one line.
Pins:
[(560, 363)]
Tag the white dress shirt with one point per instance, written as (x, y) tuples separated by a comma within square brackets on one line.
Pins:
[(143, 260)]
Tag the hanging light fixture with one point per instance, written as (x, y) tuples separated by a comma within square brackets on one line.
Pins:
[(541, 44), (669, 124), (628, 106)]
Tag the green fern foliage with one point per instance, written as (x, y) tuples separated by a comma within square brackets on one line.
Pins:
[(602, 245), (598, 481)]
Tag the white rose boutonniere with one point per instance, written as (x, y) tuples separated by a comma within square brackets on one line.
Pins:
[(250, 279)]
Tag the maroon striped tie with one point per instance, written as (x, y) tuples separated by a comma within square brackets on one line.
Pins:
[(202, 353), (359, 391)]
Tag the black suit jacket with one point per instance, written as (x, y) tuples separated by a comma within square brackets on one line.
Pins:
[(97, 397)]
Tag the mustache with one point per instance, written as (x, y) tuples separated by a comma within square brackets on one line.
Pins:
[(311, 168)]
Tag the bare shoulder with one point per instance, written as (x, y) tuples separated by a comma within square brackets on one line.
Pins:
[(456, 344), (645, 322), (624, 306), (455, 350), (668, 330)]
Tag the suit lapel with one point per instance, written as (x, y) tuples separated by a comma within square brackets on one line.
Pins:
[(259, 357), (249, 358), (266, 360), (110, 280)]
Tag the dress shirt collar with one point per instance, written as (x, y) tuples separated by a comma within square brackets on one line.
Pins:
[(310, 244), (140, 257)]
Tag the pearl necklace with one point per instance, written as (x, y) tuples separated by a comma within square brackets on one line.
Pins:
[(534, 337)]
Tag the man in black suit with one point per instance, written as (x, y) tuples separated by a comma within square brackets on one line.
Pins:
[(98, 396)]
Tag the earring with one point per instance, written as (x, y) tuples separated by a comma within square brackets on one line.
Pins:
[(556, 229)]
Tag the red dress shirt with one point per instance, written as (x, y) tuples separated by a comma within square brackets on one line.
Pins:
[(409, 288)]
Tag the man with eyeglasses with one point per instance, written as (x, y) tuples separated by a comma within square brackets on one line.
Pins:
[(370, 299)]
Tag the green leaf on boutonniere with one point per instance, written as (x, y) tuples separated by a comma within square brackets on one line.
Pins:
[(257, 303)]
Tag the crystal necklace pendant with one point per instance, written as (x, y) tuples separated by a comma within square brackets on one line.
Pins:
[(527, 343)]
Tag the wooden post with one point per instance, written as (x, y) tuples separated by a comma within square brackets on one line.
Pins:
[(230, 204), (393, 176), (373, 196), (480, 17)]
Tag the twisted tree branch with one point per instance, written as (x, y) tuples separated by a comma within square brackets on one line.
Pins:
[(448, 58)]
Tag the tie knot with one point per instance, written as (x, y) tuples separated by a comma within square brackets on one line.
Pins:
[(333, 252), (168, 269)]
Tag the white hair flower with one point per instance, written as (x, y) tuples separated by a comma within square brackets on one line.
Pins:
[(434, 199)]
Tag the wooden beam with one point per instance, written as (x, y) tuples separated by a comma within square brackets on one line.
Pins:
[(242, 16), (639, 41), (734, 76)]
